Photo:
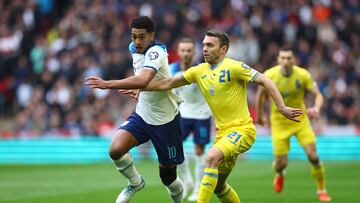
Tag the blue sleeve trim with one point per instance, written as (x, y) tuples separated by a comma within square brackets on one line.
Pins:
[(150, 67), (183, 78), (254, 77)]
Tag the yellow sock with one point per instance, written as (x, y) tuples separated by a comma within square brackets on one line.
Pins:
[(228, 195), (208, 184), (319, 175)]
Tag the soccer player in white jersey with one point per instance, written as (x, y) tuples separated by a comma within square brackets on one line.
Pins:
[(195, 118), (156, 117)]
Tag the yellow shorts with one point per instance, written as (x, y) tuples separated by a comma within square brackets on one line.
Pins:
[(232, 142), (281, 139)]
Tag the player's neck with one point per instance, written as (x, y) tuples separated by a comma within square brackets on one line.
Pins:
[(217, 61), (286, 71)]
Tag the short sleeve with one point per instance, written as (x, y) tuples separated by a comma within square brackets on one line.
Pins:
[(309, 81), (189, 75), (154, 57), (245, 72)]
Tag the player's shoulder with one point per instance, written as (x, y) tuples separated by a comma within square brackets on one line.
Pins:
[(156, 46), (200, 65), (301, 71), (272, 70), (232, 62), (155, 50)]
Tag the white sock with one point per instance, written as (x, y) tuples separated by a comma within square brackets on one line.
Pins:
[(199, 170), (185, 172), (125, 165), (175, 189)]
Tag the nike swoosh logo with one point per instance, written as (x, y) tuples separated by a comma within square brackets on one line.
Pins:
[(206, 184)]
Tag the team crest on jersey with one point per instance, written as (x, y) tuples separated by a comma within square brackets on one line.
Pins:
[(153, 55), (211, 90), (298, 84), (244, 65)]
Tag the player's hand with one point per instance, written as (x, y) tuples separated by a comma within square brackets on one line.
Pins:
[(291, 113), (95, 82), (313, 112), (134, 94), (262, 121)]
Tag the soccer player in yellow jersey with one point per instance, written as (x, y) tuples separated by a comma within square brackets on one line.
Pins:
[(222, 81), (292, 82)]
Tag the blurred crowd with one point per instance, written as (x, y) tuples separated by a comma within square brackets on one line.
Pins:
[(48, 47)]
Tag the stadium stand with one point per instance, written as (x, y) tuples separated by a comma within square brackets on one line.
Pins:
[(48, 47)]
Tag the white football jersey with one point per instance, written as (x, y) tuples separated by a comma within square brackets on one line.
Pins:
[(154, 107), (194, 105)]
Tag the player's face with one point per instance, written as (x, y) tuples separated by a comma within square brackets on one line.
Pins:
[(141, 38), (286, 59), (186, 52), (212, 50)]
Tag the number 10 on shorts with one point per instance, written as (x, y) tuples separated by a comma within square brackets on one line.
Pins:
[(171, 152)]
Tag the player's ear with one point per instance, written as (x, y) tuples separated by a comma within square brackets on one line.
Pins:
[(224, 48), (152, 34)]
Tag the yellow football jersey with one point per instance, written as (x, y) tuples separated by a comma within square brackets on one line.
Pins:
[(224, 88), (293, 90)]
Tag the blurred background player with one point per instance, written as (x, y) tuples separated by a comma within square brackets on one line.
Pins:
[(292, 82), (195, 118), (156, 117), (223, 81)]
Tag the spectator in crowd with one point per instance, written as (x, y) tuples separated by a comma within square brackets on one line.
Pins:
[(48, 47)]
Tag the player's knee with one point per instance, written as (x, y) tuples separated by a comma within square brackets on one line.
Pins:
[(167, 175), (199, 150), (280, 164), (212, 159), (115, 152), (313, 158)]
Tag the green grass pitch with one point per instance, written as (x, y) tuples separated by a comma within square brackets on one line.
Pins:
[(100, 183)]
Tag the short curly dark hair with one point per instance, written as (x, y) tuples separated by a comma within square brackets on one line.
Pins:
[(143, 22)]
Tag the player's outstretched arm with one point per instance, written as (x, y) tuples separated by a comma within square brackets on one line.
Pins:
[(165, 84), (260, 102), (274, 93), (134, 82)]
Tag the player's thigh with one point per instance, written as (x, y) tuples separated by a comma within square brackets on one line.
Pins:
[(280, 141), (202, 131), (233, 142), (187, 127), (123, 141), (131, 133), (306, 136), (167, 141)]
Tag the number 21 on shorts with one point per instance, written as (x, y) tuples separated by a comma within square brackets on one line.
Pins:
[(234, 137)]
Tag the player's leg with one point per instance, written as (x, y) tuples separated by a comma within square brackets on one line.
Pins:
[(128, 136), (307, 139), (280, 164), (281, 147), (224, 192), (172, 182), (201, 138), (187, 127), (167, 140), (210, 175), (221, 158)]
